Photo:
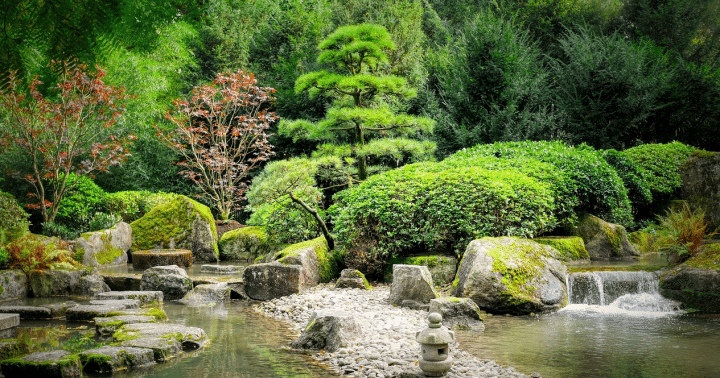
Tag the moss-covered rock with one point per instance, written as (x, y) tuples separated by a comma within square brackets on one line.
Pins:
[(13, 284), (511, 275), (105, 247), (603, 240), (701, 183), (352, 279), (696, 282), (247, 243), (441, 267), (182, 223), (571, 248), (57, 363), (329, 262), (643, 241)]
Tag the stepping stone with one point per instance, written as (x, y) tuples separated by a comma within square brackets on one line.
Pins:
[(145, 297), (128, 303), (123, 282), (221, 269), (58, 310), (9, 321), (56, 363), (157, 313), (207, 294), (163, 348), (191, 337), (108, 326), (27, 312), (90, 312), (110, 359)]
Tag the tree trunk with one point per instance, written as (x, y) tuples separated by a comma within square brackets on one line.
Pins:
[(320, 222)]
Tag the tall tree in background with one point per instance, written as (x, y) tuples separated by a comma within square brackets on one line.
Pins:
[(221, 134), (356, 54), (70, 133)]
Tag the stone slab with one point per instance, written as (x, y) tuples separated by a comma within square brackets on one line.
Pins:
[(90, 312), (163, 348), (9, 321), (221, 269), (107, 360), (27, 312), (108, 325), (191, 337), (145, 297), (123, 282), (58, 310), (127, 303), (56, 363)]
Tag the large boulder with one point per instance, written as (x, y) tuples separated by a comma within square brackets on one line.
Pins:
[(701, 183), (604, 240), (441, 267), (13, 284), (411, 284), (318, 263), (247, 243), (57, 282), (180, 224), (104, 248), (172, 280), (328, 330), (108, 360), (91, 285), (571, 248), (696, 282), (511, 275), (264, 282)]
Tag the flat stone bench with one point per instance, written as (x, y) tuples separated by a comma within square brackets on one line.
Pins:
[(27, 312), (142, 260), (145, 297)]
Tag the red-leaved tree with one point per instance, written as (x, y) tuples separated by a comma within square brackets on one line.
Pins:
[(69, 131), (221, 133)]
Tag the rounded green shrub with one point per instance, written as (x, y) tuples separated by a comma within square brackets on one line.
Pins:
[(285, 222), (245, 243), (421, 205), (596, 185), (81, 200), (132, 205), (634, 178), (13, 219), (661, 164)]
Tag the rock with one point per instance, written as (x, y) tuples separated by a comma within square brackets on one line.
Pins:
[(91, 285), (123, 282), (108, 360), (145, 297), (571, 248), (191, 338), (700, 177), (442, 268), (511, 275), (458, 312), (182, 224), (696, 288), (126, 303), (8, 321), (142, 260), (106, 247), (328, 330), (56, 363), (272, 280), (604, 240), (206, 294), (245, 244), (307, 259), (55, 282), (352, 279), (221, 269), (90, 312), (163, 348), (411, 282), (13, 284), (27, 312), (58, 310), (108, 325), (172, 280), (319, 264)]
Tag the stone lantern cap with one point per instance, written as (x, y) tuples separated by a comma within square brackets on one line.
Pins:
[(435, 334)]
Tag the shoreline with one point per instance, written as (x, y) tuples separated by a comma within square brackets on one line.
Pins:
[(387, 346)]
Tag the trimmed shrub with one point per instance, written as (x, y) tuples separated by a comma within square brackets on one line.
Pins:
[(661, 164), (633, 178), (422, 206), (132, 205), (13, 219), (596, 185), (81, 200), (245, 243), (285, 222)]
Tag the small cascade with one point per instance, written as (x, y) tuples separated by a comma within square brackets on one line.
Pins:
[(618, 291)]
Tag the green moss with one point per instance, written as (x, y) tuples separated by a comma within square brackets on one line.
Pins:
[(94, 359), (79, 254), (329, 261), (614, 238), (67, 361), (245, 243), (157, 313), (358, 274), (709, 258), (570, 248), (108, 254), (123, 335), (516, 277), (86, 236)]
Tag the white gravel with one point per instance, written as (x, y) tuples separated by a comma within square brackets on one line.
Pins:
[(387, 346)]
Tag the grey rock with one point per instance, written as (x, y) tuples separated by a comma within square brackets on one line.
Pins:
[(55, 282), (206, 294), (411, 282), (91, 285), (352, 279), (126, 303), (56, 363), (123, 282), (221, 269), (701, 184), (163, 348), (27, 312), (145, 297), (191, 338), (458, 312), (604, 240), (172, 280), (58, 310), (329, 331), (119, 358), (90, 312), (111, 244), (272, 280), (307, 259), (442, 268), (13, 284), (695, 288), (536, 278), (107, 326), (9, 321)]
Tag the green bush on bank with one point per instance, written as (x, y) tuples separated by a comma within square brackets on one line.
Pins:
[(661, 164), (132, 205), (421, 205), (633, 177), (13, 223)]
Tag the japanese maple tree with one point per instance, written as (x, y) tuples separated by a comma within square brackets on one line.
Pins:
[(71, 130), (221, 132)]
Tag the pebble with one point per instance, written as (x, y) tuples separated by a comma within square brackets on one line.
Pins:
[(387, 346)]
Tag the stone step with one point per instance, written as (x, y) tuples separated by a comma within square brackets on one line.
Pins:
[(191, 338), (163, 348), (90, 312), (27, 312), (221, 269), (56, 363), (127, 303), (9, 321), (123, 282), (145, 297), (108, 360), (107, 326)]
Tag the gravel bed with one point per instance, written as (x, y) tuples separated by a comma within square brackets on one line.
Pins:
[(387, 346)]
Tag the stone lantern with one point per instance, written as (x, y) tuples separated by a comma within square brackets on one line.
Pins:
[(435, 346)]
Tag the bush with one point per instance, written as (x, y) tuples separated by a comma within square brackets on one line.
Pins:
[(83, 197), (421, 206), (132, 205), (245, 243), (13, 219), (596, 186), (33, 253), (285, 223), (682, 231), (661, 164), (633, 178)]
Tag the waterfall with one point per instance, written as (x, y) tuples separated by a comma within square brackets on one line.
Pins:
[(631, 292)]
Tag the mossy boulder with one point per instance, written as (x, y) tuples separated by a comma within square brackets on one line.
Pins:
[(511, 275), (701, 183), (329, 262), (183, 224), (643, 241), (352, 279), (245, 243), (571, 248), (104, 248), (13, 284), (411, 286), (56, 282), (108, 360), (442, 268), (56, 363), (603, 240), (172, 280), (696, 282)]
